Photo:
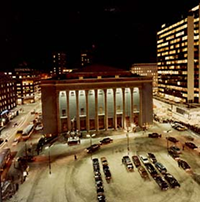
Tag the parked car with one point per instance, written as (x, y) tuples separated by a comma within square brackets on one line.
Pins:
[(154, 135), (183, 164), (152, 157), (107, 174), (93, 148), (101, 197), (143, 172), (175, 149), (160, 167), (144, 159), (191, 145), (1, 140), (152, 171), (136, 161), (104, 161), (172, 139), (173, 154), (171, 180), (127, 162), (162, 183), (179, 127), (100, 190), (39, 127), (106, 140)]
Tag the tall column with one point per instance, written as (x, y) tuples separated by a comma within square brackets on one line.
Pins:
[(106, 110), (68, 118), (123, 115), (96, 111), (141, 108), (77, 110), (87, 112), (58, 112), (131, 110), (115, 108)]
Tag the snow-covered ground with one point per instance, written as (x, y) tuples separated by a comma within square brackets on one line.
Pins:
[(73, 180)]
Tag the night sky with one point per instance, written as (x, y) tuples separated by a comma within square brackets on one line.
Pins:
[(122, 32)]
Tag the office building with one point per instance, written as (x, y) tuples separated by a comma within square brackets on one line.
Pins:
[(94, 98), (147, 69), (178, 53), (7, 98)]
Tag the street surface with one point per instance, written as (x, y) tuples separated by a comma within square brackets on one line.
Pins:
[(64, 179)]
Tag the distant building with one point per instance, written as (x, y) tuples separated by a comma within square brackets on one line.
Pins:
[(8, 99), (147, 69), (27, 83), (96, 98), (59, 62), (178, 53)]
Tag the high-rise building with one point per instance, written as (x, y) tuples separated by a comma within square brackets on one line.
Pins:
[(147, 69), (58, 62), (178, 53)]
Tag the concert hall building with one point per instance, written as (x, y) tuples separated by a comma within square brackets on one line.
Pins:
[(95, 98)]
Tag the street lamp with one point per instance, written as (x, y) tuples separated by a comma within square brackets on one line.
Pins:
[(167, 131), (49, 157), (127, 137), (91, 136)]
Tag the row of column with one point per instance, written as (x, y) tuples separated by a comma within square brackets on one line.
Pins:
[(96, 110)]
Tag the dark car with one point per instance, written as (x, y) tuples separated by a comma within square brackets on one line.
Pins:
[(171, 180), (96, 164), (127, 162), (136, 161), (191, 145), (173, 154), (1, 140), (154, 135), (172, 139), (152, 171), (106, 140), (143, 172), (162, 183), (100, 190), (107, 174), (101, 197), (93, 148), (175, 149), (160, 167), (152, 157), (183, 164)]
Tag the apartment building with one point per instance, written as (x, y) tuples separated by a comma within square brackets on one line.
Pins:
[(178, 59)]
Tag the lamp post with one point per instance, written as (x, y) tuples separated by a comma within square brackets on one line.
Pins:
[(49, 158), (91, 136), (1, 170), (167, 131), (127, 137)]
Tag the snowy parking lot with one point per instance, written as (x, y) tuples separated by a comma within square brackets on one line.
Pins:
[(73, 180)]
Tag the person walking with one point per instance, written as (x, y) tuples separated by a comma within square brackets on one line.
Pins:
[(75, 157)]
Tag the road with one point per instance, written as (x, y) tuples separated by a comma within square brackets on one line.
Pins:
[(73, 180), (22, 120)]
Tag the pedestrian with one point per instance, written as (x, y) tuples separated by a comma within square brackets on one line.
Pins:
[(179, 164), (75, 157)]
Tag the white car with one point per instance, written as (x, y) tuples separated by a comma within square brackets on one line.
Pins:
[(39, 127), (144, 159)]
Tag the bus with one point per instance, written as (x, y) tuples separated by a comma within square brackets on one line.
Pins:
[(5, 155), (27, 131)]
